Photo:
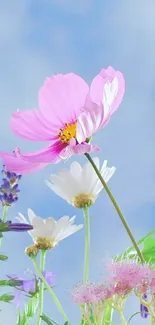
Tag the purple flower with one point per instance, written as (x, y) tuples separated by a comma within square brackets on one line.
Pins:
[(29, 287), (143, 309), (9, 188)]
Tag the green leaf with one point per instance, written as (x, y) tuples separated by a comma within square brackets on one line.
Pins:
[(49, 321), (148, 250), (3, 257), (10, 283), (6, 297), (82, 322), (132, 248)]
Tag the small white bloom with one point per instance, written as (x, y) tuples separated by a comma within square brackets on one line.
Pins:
[(48, 232), (79, 185)]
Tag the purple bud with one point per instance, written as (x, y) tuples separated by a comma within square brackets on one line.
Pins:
[(143, 309), (19, 227)]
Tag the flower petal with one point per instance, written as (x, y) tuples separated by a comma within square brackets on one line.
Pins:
[(62, 97), (19, 165), (31, 125), (21, 218), (79, 149), (90, 120), (47, 155), (111, 83), (29, 285), (31, 215)]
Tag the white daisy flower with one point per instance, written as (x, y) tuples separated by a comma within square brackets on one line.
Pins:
[(80, 186), (48, 232)]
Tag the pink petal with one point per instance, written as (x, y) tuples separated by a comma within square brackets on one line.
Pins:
[(90, 120), (98, 87), (18, 165), (32, 125), (79, 149), (49, 154), (62, 97)]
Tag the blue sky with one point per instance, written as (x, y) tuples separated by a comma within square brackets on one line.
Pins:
[(39, 38)]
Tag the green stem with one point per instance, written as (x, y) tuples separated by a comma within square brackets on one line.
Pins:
[(41, 289), (116, 207), (5, 211), (123, 321), (3, 218), (55, 299), (87, 243)]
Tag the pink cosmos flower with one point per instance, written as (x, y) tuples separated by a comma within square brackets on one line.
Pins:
[(69, 114)]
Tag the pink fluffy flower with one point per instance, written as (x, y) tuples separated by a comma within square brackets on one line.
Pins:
[(69, 114), (125, 276), (89, 293), (92, 301)]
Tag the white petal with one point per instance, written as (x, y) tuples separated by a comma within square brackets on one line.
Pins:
[(21, 218), (31, 215), (75, 170), (50, 225), (79, 180), (58, 190), (110, 92), (70, 230), (38, 226)]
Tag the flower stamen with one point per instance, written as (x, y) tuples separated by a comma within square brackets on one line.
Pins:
[(67, 133)]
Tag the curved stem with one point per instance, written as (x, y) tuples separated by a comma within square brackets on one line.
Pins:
[(87, 244), (116, 207), (41, 289), (55, 299)]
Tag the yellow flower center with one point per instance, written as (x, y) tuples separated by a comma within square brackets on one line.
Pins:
[(83, 200), (45, 243), (67, 133)]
